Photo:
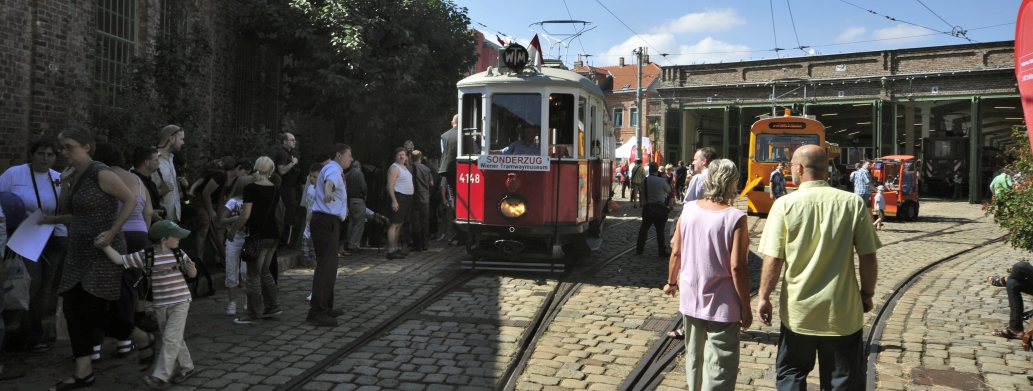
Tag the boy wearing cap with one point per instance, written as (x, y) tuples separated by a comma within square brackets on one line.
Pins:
[(880, 206), (166, 265)]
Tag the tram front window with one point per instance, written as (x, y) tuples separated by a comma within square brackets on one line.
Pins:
[(516, 122), (780, 148)]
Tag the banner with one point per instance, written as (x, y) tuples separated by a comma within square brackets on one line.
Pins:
[(1024, 60)]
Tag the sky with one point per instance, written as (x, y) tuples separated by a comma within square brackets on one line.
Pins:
[(692, 31)]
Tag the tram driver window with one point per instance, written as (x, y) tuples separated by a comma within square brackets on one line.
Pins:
[(780, 148), (470, 123), (516, 122), (561, 126)]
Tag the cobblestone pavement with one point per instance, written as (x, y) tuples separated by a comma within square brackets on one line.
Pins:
[(468, 338), (939, 331)]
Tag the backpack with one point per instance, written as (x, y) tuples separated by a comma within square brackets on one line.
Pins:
[(145, 278)]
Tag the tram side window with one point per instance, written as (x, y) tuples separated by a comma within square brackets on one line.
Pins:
[(561, 125), (941, 148), (516, 123), (780, 148), (470, 123)]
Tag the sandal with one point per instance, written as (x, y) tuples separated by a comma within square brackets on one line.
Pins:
[(676, 334), (1026, 343), (1009, 334), (76, 384), (154, 382), (998, 281), (146, 361)]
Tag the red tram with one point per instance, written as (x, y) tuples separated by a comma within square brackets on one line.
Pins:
[(534, 168)]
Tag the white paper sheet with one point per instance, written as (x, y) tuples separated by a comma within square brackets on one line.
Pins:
[(30, 237)]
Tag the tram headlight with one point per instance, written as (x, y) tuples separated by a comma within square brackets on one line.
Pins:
[(513, 206)]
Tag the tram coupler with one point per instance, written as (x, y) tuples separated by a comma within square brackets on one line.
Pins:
[(509, 247)]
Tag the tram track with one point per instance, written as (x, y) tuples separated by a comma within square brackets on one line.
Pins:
[(453, 279)]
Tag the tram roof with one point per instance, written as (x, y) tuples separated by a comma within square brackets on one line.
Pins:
[(546, 77)]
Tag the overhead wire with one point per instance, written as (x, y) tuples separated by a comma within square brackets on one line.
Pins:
[(791, 19), (569, 15), (960, 34), (774, 31), (633, 32), (930, 10)]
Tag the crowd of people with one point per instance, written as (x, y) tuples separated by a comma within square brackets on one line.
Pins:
[(112, 265)]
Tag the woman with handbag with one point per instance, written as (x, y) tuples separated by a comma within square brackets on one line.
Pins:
[(259, 216), (654, 211)]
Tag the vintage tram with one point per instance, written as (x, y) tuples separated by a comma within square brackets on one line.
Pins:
[(773, 140), (534, 167)]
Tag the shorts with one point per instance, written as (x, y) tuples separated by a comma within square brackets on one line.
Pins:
[(882, 214), (867, 200), (401, 215), (636, 186)]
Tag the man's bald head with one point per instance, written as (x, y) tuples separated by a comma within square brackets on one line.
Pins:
[(455, 120), (814, 160)]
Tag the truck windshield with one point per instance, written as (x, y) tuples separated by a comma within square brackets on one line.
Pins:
[(780, 148)]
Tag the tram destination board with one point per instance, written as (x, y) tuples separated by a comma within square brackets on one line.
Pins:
[(787, 125), (513, 162)]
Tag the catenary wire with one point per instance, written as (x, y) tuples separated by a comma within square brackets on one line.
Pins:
[(933, 12), (774, 32), (633, 32), (962, 36), (569, 15), (791, 19)]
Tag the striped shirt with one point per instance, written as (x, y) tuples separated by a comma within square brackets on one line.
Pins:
[(167, 283)]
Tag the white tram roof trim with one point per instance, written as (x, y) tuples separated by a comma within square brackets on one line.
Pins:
[(547, 77)]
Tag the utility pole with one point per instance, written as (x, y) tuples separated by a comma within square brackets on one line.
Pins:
[(638, 103)]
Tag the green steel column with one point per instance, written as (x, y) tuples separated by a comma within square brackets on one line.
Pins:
[(726, 133), (877, 126), (975, 145)]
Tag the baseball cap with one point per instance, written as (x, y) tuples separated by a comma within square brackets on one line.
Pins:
[(167, 228)]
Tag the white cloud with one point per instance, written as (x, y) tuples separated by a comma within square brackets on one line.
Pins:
[(708, 21), (902, 32), (706, 50), (851, 34)]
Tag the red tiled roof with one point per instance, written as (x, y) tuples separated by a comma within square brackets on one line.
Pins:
[(626, 75)]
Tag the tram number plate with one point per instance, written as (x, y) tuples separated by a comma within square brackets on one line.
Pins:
[(469, 178)]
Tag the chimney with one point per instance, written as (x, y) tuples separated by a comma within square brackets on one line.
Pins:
[(645, 59), (579, 64), (622, 62)]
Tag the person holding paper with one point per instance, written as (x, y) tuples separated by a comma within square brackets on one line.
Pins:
[(39, 187)]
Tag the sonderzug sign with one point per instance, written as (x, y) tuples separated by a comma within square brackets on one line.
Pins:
[(513, 162)]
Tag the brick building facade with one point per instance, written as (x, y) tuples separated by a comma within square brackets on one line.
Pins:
[(619, 83), (872, 103), (57, 55)]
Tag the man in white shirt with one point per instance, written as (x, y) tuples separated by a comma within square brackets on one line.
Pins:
[(169, 141), (328, 211), (700, 161)]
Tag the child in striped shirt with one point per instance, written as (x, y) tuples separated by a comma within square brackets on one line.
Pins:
[(171, 297)]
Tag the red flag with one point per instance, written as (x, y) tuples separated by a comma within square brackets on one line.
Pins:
[(501, 42), (1024, 59), (535, 50)]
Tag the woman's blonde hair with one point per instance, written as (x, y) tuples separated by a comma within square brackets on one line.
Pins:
[(264, 167), (720, 183)]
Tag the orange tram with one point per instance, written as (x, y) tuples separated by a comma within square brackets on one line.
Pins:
[(773, 140), (534, 168)]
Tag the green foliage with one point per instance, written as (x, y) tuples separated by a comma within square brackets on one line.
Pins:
[(1010, 208), (156, 91), (383, 70)]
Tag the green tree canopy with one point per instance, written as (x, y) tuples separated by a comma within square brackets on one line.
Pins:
[(384, 69)]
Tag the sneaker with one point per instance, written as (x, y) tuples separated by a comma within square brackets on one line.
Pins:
[(272, 313), (246, 320), (231, 308), (334, 313), (397, 254), (322, 320)]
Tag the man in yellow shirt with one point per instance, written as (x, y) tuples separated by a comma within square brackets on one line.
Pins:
[(814, 232)]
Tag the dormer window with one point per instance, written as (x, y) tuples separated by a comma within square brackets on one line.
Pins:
[(626, 86)]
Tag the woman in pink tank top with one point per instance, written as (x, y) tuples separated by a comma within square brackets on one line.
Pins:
[(708, 266)]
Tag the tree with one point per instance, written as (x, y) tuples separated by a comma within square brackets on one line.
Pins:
[(383, 70), (1010, 208)]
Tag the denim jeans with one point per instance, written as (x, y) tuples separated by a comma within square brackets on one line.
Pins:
[(356, 221), (261, 289), (840, 361), (43, 274)]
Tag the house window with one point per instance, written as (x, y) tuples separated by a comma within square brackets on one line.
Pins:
[(633, 113), (116, 42), (618, 117)]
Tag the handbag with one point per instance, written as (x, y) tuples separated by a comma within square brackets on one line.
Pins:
[(656, 208), (16, 288)]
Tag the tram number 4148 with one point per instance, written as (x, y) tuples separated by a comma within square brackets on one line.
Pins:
[(470, 178)]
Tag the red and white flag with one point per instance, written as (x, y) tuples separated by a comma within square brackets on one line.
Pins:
[(535, 51), (501, 42)]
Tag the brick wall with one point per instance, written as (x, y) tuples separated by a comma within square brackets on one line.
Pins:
[(16, 20)]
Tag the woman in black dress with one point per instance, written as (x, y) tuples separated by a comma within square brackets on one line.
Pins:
[(89, 281)]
